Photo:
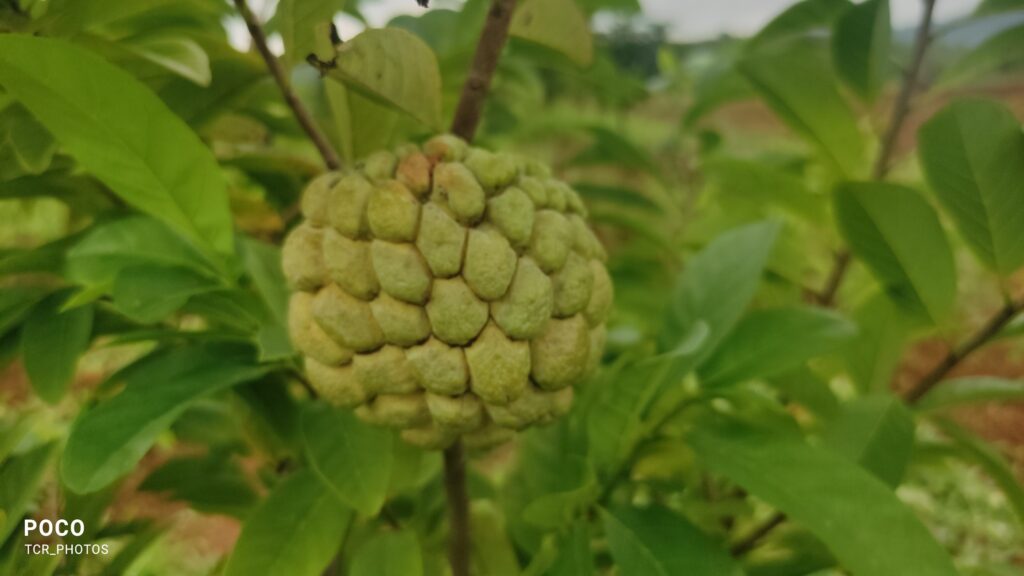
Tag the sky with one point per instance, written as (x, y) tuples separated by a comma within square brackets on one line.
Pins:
[(687, 20)]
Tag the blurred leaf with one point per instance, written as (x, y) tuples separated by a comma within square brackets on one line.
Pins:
[(861, 47), (714, 89), (212, 484), (914, 264), (149, 293), (15, 304), (51, 344), (991, 461), (182, 56), (613, 148), (996, 6), (394, 67), (971, 153), (876, 432), (799, 19), (622, 6), (998, 54), (558, 24), (493, 553), (761, 184), (353, 458), (121, 132), (882, 334), (970, 390), (294, 532), (364, 125), (20, 477), (618, 196), (658, 542), (805, 387), (769, 342), (577, 492), (263, 264), (108, 440), (718, 284), (32, 144), (574, 556), (390, 554), (297, 21), (796, 81), (862, 521), (133, 550)]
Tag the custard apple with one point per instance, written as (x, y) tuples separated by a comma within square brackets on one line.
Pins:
[(446, 291)]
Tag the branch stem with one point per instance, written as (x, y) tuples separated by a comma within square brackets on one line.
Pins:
[(897, 119), (302, 115), (485, 62), (751, 540), (458, 508)]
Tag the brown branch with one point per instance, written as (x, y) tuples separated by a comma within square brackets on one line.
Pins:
[(983, 336), (751, 540), (259, 39), (488, 52), (883, 163), (458, 509)]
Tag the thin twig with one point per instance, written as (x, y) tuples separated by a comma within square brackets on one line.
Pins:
[(458, 509), (883, 163), (751, 540), (983, 336), (302, 115), (478, 82)]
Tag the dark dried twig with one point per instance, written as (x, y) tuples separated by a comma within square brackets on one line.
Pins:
[(302, 115)]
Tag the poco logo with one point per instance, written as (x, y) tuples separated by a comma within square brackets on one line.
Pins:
[(50, 528)]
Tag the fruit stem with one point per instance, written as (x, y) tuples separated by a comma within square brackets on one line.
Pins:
[(458, 507)]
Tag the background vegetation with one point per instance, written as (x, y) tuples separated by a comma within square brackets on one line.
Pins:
[(816, 236)]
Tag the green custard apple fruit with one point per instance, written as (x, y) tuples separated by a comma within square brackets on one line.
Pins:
[(447, 291)]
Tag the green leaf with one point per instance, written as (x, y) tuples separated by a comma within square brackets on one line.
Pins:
[(353, 458), (760, 184), (107, 440), (796, 81), (364, 125), (212, 484), (800, 19), (389, 554), (149, 293), (262, 262), (182, 56), (718, 284), (294, 532), (33, 146), (996, 55), (876, 432), (994, 464), (20, 477), (493, 553), (972, 153), (657, 542), (861, 520), (914, 264), (861, 47), (394, 67), (769, 342), (123, 134), (970, 390), (574, 557), (15, 304), (51, 343), (996, 6), (883, 331), (557, 24), (298, 21)]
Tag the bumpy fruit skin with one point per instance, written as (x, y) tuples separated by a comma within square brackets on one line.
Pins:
[(448, 291)]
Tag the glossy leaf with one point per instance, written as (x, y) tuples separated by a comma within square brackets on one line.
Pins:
[(718, 284), (294, 532), (861, 520), (557, 24), (182, 56), (389, 554), (395, 67), (914, 264), (876, 432), (123, 134), (770, 342), (658, 542), (971, 155), (108, 440), (796, 81), (861, 47), (51, 344), (353, 458), (970, 390)]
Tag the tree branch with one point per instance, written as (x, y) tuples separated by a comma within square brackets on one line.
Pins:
[(751, 540), (259, 39), (488, 52), (458, 509), (983, 336), (883, 163)]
